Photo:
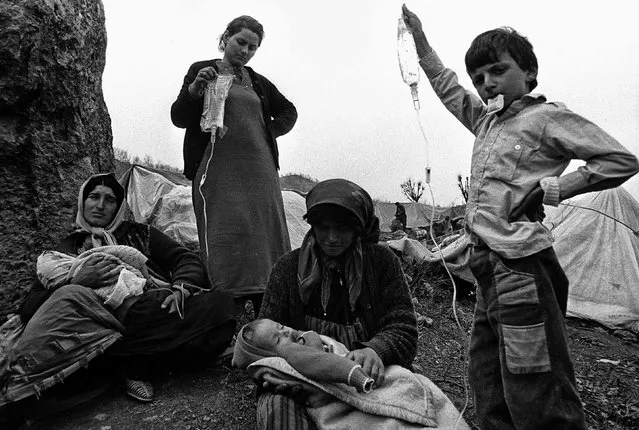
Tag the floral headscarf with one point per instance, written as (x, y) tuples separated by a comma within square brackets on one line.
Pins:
[(101, 236), (313, 265)]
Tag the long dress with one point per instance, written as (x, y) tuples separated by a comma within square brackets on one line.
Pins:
[(239, 207)]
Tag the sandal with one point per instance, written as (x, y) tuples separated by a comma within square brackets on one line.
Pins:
[(139, 390)]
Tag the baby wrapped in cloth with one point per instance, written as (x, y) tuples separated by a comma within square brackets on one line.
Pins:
[(55, 269), (405, 400)]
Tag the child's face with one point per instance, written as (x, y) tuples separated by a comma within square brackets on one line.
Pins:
[(272, 336), (502, 77)]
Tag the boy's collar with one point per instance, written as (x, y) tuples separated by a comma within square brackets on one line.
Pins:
[(523, 102), (534, 96)]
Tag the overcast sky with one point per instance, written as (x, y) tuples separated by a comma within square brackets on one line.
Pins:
[(337, 62)]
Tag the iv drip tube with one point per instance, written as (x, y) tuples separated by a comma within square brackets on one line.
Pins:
[(421, 128), (427, 172), (206, 221)]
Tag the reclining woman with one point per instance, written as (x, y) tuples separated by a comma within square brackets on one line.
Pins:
[(342, 284), (405, 400), (174, 316)]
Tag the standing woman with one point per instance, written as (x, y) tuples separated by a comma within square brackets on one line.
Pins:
[(340, 283), (236, 191)]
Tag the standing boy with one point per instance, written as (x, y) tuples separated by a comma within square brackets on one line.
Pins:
[(520, 367)]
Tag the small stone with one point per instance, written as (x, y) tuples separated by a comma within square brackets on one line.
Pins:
[(425, 321)]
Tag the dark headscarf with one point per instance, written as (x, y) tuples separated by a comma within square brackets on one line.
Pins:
[(313, 265), (350, 196), (101, 236)]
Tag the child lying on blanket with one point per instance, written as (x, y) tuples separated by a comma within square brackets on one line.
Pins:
[(406, 400), (306, 352)]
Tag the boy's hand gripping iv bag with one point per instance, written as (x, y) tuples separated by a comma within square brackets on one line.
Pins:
[(215, 96), (408, 61)]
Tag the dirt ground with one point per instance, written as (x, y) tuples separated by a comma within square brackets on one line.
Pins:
[(606, 363)]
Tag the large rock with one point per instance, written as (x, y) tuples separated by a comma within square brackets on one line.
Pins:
[(55, 129)]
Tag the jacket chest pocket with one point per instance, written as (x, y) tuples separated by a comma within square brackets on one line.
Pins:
[(505, 156)]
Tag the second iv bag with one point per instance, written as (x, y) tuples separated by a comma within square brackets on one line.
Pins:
[(408, 61)]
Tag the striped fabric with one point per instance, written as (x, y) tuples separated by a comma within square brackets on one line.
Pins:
[(347, 334), (275, 411), (278, 412)]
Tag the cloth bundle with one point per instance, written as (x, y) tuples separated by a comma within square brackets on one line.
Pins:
[(55, 269)]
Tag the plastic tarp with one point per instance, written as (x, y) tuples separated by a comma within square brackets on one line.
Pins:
[(418, 215), (159, 201), (455, 254), (600, 255)]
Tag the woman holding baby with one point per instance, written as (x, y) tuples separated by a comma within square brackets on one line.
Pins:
[(68, 322), (342, 284)]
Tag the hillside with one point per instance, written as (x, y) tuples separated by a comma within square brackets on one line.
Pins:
[(290, 181), (297, 182)]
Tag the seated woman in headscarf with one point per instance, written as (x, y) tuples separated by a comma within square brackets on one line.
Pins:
[(340, 283), (174, 320)]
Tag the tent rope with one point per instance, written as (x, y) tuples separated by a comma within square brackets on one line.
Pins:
[(635, 232)]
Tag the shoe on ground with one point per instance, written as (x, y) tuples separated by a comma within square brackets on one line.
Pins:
[(139, 390)]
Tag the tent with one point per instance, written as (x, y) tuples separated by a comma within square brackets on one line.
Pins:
[(597, 243), (418, 215), (596, 239), (163, 200)]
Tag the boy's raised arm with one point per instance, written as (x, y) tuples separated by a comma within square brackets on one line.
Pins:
[(464, 105), (415, 26)]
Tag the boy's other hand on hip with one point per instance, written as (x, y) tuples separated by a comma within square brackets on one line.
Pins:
[(529, 206)]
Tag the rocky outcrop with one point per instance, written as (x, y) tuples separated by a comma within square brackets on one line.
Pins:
[(55, 129)]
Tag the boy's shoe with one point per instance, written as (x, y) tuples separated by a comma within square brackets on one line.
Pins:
[(139, 390)]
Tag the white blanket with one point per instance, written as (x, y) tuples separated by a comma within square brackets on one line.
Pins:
[(406, 400)]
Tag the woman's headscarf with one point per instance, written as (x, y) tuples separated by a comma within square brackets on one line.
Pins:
[(101, 236), (313, 265)]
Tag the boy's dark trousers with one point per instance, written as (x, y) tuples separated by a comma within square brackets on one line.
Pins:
[(520, 368)]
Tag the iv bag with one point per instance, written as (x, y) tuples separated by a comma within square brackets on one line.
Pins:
[(214, 100), (407, 54)]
